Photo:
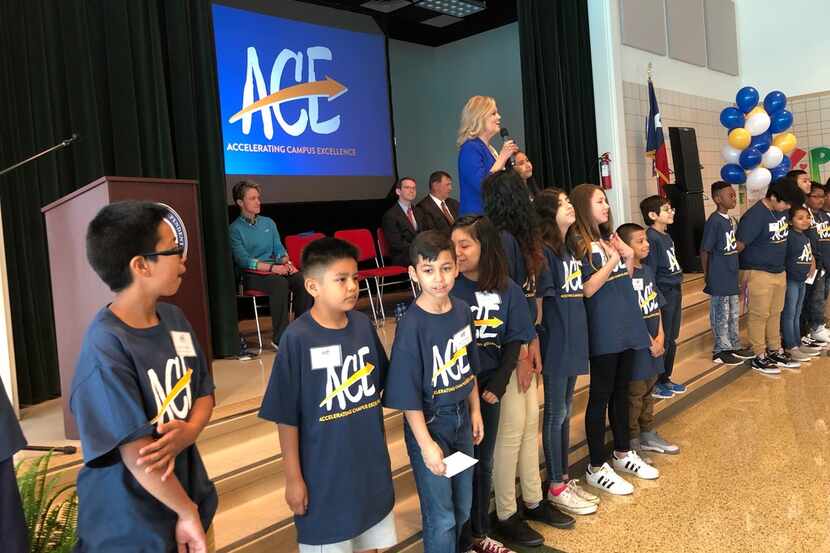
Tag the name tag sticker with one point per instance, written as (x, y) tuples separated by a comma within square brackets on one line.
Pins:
[(183, 343), (638, 284), (463, 337), (325, 357), (487, 298), (773, 227)]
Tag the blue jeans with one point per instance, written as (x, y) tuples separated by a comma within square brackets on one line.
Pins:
[(445, 502), (812, 314), (556, 426), (724, 312), (670, 315), (479, 524), (793, 301)]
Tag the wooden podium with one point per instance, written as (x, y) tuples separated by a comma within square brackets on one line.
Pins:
[(78, 293)]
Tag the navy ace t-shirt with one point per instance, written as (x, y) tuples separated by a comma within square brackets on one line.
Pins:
[(799, 256), (819, 235), (764, 232), (651, 301), (434, 359), (720, 241), (662, 259), (564, 340), (123, 377), (614, 318), (499, 318), (517, 269), (328, 383)]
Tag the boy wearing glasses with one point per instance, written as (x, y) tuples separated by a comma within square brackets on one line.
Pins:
[(141, 394), (812, 317), (658, 214)]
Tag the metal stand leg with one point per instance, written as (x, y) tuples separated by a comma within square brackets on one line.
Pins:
[(258, 330), (380, 299)]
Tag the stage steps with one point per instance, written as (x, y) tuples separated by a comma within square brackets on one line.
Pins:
[(242, 454)]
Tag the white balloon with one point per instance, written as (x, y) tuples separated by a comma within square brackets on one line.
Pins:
[(757, 124), (772, 157), (730, 154), (758, 179)]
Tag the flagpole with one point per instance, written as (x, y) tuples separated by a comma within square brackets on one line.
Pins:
[(650, 71)]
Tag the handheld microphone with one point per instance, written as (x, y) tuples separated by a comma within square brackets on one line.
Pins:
[(505, 136)]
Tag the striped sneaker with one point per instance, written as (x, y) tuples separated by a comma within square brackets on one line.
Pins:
[(634, 464), (604, 478)]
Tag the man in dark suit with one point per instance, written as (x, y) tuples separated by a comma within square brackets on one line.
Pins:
[(439, 210), (402, 221)]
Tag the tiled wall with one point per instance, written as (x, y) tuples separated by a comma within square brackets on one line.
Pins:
[(811, 126), (677, 110)]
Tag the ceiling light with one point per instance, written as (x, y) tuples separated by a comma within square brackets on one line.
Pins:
[(456, 8)]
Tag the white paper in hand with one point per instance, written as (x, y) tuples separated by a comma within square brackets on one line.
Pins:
[(458, 462), (812, 278)]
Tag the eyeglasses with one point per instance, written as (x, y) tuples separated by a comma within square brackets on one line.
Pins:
[(178, 250), (822, 196)]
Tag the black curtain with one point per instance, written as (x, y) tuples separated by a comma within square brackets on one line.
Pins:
[(136, 80), (558, 93)]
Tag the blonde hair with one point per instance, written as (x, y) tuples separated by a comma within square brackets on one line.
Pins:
[(473, 117)]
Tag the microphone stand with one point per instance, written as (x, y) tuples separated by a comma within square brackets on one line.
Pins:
[(59, 146), (69, 449)]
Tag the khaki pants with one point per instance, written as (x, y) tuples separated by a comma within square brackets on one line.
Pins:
[(641, 406), (517, 446), (211, 540), (766, 301)]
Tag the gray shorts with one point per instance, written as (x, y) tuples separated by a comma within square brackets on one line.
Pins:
[(379, 536)]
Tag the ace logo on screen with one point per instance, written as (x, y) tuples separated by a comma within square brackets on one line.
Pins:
[(270, 99)]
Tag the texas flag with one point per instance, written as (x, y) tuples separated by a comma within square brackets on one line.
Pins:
[(655, 143)]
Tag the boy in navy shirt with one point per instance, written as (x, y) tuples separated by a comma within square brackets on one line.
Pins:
[(648, 363), (325, 395), (762, 240), (719, 258), (800, 266), (432, 378), (141, 395), (12, 521), (812, 316), (658, 214)]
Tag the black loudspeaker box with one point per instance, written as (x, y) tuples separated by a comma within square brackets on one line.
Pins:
[(685, 159), (687, 230)]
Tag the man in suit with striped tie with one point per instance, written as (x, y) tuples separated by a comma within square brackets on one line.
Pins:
[(439, 210), (403, 221)]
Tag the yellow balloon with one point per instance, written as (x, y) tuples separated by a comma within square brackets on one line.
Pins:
[(785, 141), (739, 138), (756, 109)]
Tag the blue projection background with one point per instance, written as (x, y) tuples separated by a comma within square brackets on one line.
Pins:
[(301, 99)]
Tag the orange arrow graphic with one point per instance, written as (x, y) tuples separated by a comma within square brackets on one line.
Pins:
[(327, 87)]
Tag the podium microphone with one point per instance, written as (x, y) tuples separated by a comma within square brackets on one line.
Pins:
[(59, 146)]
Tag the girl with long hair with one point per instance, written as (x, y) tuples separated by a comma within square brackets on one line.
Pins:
[(616, 329), (503, 325)]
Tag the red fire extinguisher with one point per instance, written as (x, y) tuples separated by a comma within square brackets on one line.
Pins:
[(605, 170)]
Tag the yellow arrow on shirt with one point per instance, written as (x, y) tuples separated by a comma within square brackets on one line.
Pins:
[(365, 371), (494, 322), (177, 389), (647, 299), (453, 360)]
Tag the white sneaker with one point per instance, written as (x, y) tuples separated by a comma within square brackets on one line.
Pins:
[(582, 492), (567, 501), (821, 334), (797, 355), (808, 351), (605, 479), (633, 464)]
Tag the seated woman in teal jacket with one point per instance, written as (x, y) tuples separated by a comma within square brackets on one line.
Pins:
[(480, 121), (255, 243)]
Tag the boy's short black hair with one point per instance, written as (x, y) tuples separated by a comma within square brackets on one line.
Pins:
[(795, 209), (627, 230), (318, 255), (429, 245), (719, 185), (118, 233), (652, 204), (816, 186), (786, 190)]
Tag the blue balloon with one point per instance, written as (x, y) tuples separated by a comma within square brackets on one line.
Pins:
[(774, 102), (781, 121), (733, 174), (761, 142), (778, 173), (731, 118), (747, 98), (750, 158), (785, 165)]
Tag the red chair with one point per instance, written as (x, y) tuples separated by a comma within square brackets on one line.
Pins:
[(365, 244), (254, 294), (386, 251), (296, 243)]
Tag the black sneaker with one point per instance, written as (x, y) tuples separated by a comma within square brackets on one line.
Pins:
[(783, 359), (743, 353), (516, 531), (550, 515), (764, 365), (727, 358)]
